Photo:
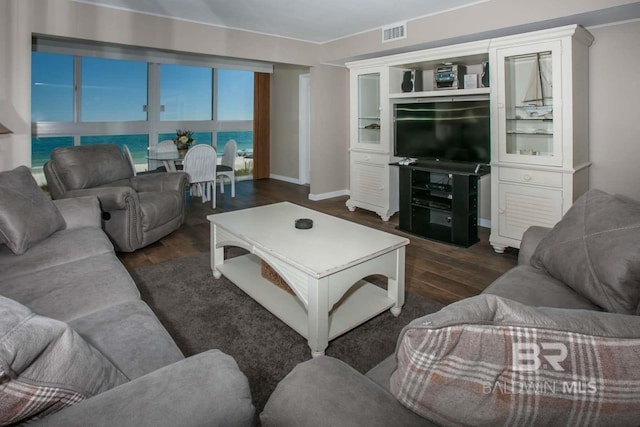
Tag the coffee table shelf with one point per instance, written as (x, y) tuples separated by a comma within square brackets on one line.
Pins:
[(245, 270)]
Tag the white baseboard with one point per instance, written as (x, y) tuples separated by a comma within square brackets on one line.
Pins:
[(314, 197), (322, 196), (285, 178), (486, 223)]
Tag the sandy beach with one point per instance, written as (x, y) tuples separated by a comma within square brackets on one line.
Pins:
[(242, 164)]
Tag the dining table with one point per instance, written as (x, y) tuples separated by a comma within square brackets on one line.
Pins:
[(169, 160)]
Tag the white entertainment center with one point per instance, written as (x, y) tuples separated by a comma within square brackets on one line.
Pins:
[(538, 91)]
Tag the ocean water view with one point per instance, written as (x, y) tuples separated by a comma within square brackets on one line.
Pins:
[(138, 144)]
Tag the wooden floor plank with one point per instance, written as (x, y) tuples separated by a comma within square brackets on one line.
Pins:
[(435, 270)]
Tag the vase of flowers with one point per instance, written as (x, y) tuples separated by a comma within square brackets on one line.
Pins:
[(183, 141)]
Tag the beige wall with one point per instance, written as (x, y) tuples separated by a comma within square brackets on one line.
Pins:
[(285, 121), (329, 130), (614, 91), (22, 18), (15, 84), (485, 20), (80, 20), (614, 124)]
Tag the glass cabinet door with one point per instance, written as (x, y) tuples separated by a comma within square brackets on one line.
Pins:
[(369, 108), (529, 104)]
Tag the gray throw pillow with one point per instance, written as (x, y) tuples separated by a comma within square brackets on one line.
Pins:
[(45, 365), (489, 361), (595, 250), (27, 215)]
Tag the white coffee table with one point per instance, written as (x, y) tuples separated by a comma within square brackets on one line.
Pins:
[(323, 266)]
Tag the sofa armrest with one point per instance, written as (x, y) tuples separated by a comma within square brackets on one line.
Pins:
[(530, 240), (207, 389), (80, 212), (327, 392), (171, 181), (111, 198)]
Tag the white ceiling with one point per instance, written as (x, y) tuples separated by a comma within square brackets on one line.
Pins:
[(310, 20)]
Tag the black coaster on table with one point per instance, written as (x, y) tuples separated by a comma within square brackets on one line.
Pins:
[(304, 223)]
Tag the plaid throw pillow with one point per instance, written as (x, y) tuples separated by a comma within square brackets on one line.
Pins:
[(21, 400), (493, 361), (45, 365)]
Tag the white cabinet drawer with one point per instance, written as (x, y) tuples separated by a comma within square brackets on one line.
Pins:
[(533, 177), (369, 158)]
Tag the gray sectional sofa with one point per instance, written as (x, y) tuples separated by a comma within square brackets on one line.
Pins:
[(554, 341), (78, 346)]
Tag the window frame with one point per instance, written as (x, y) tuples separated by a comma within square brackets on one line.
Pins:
[(153, 126)]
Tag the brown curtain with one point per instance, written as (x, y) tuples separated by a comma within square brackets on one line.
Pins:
[(261, 120)]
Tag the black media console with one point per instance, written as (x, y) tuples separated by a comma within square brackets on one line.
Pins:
[(440, 201)]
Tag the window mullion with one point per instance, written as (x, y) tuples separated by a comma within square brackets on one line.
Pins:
[(214, 95), (77, 97), (153, 102), (214, 109)]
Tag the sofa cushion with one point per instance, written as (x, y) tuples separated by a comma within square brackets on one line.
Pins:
[(74, 289), (207, 389), (326, 392), (27, 215), (532, 286), (381, 373), (492, 361), (45, 365), (130, 336), (594, 249), (80, 212), (60, 248)]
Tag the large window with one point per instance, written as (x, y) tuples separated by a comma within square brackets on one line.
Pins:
[(113, 90), (51, 87), (186, 93), (137, 144), (82, 98), (235, 95), (41, 148)]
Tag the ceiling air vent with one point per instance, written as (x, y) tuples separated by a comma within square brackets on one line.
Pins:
[(394, 32)]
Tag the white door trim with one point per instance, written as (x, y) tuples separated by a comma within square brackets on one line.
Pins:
[(304, 130)]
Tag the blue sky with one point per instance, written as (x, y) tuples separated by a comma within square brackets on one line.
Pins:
[(114, 90)]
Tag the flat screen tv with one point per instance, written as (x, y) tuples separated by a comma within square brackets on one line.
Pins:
[(451, 130)]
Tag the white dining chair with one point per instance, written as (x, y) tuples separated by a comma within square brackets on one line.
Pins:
[(200, 164), (227, 166), (167, 146)]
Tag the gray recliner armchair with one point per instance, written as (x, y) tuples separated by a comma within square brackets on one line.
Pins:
[(137, 210)]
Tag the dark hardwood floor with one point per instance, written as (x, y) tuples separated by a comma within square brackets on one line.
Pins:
[(438, 271)]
